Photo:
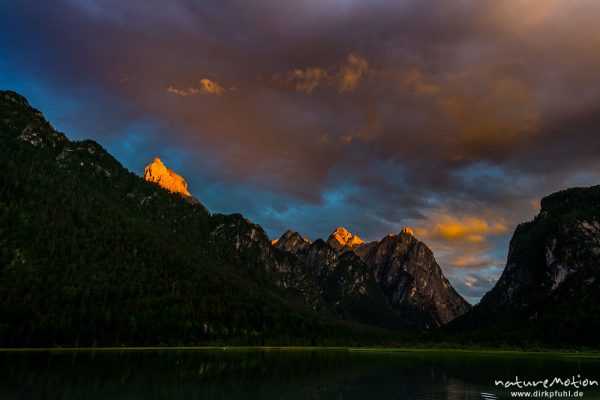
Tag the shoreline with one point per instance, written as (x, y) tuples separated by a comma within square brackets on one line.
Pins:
[(549, 352)]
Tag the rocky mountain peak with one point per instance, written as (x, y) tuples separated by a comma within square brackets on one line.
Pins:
[(401, 269), (157, 172), (407, 231), (292, 242), (341, 239), (412, 280), (27, 124)]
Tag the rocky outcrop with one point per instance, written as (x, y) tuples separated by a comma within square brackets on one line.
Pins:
[(291, 242), (349, 286), (551, 283), (157, 172), (247, 246), (411, 279), (36, 131), (341, 240)]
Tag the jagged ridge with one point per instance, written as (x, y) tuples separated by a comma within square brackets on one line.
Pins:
[(404, 269)]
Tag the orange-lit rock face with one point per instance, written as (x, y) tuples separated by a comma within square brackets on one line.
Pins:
[(407, 230), (341, 238), (157, 172)]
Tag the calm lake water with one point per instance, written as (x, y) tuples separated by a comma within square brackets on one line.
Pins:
[(279, 374)]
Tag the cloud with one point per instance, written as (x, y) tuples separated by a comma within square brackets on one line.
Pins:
[(473, 261), (464, 242), (205, 86), (495, 114), (413, 81), (212, 87), (351, 72), (345, 76), (474, 286), (183, 92), (304, 80), (469, 229)]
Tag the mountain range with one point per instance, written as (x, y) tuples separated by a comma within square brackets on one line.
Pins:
[(92, 254), (398, 268)]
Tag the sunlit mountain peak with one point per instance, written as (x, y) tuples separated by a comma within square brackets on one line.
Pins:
[(341, 237), (157, 172)]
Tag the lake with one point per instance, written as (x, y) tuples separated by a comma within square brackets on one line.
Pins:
[(282, 374)]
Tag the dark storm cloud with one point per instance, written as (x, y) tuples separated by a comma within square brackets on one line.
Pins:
[(449, 116)]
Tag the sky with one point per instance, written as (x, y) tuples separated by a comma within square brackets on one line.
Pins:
[(452, 117)]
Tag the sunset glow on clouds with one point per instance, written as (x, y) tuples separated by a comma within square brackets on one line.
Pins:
[(345, 77), (465, 247), (453, 118), (469, 230), (205, 85)]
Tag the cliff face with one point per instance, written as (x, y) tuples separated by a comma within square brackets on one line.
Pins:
[(350, 287), (550, 287), (412, 280), (246, 246), (157, 172)]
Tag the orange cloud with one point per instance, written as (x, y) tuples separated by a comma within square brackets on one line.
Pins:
[(346, 76), (471, 229), (183, 92), (212, 87), (462, 241), (205, 86), (351, 72), (414, 80), (306, 80), (472, 261), (524, 16)]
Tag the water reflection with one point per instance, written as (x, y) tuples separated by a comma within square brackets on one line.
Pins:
[(275, 374)]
